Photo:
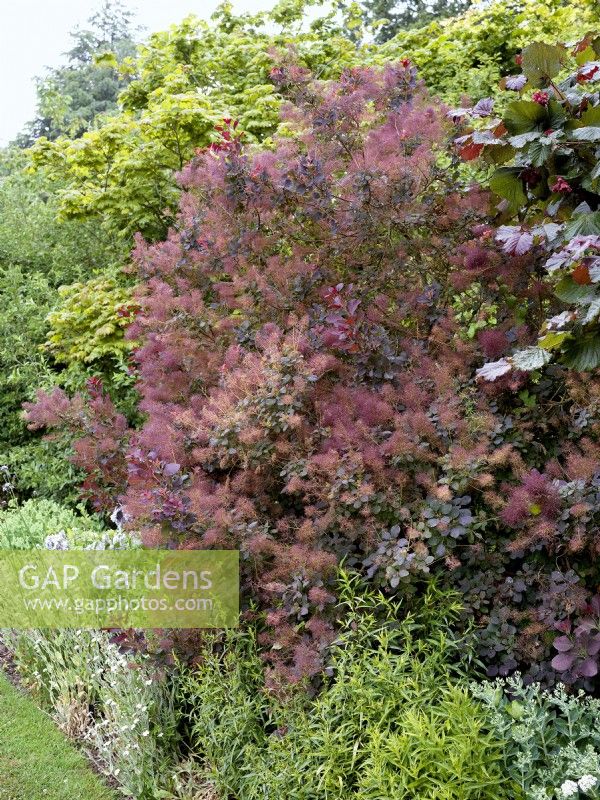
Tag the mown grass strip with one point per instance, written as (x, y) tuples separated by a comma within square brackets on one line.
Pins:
[(36, 761)]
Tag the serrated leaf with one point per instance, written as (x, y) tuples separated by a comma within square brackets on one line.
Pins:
[(590, 133), (583, 225), (539, 153), (541, 60), (570, 292), (553, 340), (592, 312), (498, 153), (513, 83), (505, 182), (530, 358), (515, 240), (523, 138), (493, 370), (522, 116), (591, 116), (584, 56), (583, 354), (557, 115)]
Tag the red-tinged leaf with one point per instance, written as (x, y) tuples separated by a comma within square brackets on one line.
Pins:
[(471, 151), (586, 74), (581, 275), (583, 44)]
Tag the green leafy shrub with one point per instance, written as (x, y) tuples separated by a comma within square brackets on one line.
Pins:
[(551, 738), (186, 80), (27, 526), (31, 237), (548, 181), (38, 467), (468, 54), (394, 720), (89, 324), (37, 254), (86, 337)]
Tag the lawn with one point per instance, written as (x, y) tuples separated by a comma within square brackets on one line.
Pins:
[(36, 760)]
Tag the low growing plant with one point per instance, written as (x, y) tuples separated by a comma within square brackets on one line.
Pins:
[(551, 738), (114, 703), (394, 719), (27, 526)]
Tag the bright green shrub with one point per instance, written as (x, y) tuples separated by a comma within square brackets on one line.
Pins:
[(467, 55), (33, 240), (89, 324), (394, 721), (27, 526), (187, 79), (552, 739)]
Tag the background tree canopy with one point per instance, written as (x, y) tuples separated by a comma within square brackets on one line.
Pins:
[(70, 97), (389, 17)]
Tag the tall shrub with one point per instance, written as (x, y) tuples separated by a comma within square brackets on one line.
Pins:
[(309, 333)]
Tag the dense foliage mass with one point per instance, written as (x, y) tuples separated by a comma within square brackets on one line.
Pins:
[(374, 733), (37, 255), (467, 55), (363, 351), (72, 96), (310, 332), (185, 80), (551, 190), (389, 17)]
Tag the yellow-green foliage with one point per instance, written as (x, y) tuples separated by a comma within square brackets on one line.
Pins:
[(187, 79), (468, 55), (395, 720), (89, 324)]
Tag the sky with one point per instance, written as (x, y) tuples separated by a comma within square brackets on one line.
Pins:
[(35, 33)]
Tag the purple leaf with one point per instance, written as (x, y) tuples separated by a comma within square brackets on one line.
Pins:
[(515, 82), (587, 668), (456, 114), (515, 240), (483, 108), (171, 469), (593, 647), (595, 605), (563, 644), (586, 626), (563, 661)]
